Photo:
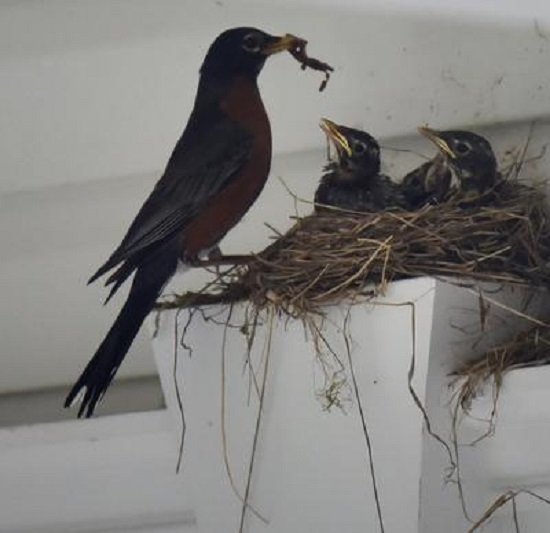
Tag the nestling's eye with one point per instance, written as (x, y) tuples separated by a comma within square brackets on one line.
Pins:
[(252, 42), (358, 147), (462, 148)]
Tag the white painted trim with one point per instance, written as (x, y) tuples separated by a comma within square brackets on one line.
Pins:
[(113, 474)]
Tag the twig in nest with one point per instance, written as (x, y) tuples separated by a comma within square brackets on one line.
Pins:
[(501, 501), (520, 159), (412, 390), (223, 422), (523, 154), (416, 399), (498, 503), (333, 369), (249, 330), (271, 319), (298, 52), (363, 423), (515, 515), (458, 472), (179, 398)]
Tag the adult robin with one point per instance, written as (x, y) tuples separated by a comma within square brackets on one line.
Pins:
[(353, 180), (429, 183), (217, 170), (471, 159)]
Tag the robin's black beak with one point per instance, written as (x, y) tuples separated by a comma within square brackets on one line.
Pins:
[(335, 135), (437, 138), (274, 45)]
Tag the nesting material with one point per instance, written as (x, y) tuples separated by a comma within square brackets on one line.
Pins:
[(528, 348), (328, 257)]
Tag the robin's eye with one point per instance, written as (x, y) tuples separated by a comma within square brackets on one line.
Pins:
[(359, 147), (252, 42), (462, 148)]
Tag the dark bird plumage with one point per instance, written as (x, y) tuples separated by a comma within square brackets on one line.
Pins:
[(428, 184), (353, 181), (216, 171), (471, 159)]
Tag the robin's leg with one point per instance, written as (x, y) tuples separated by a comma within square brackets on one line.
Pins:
[(215, 253), (216, 258), (224, 260)]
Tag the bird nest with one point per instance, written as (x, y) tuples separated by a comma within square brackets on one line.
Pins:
[(327, 257), (528, 348)]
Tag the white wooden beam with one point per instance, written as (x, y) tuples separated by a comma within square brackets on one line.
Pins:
[(110, 474)]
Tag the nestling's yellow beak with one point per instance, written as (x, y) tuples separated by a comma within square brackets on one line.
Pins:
[(281, 44), (435, 137), (334, 134)]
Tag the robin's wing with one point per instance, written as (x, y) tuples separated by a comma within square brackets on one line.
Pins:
[(201, 165)]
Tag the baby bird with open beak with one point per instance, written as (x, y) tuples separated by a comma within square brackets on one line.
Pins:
[(353, 181), (471, 159)]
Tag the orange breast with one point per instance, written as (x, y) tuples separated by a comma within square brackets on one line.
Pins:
[(244, 105)]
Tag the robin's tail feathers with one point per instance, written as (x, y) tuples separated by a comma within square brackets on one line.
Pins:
[(117, 278), (102, 270), (100, 371)]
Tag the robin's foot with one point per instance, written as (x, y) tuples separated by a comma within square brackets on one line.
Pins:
[(219, 260)]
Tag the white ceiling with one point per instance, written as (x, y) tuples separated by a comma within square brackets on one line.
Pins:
[(95, 93)]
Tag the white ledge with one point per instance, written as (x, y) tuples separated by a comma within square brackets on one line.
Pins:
[(311, 472), (110, 474)]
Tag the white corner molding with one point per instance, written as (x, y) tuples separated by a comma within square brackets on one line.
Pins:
[(311, 471), (114, 474)]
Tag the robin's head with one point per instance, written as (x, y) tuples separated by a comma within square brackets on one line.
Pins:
[(357, 152), (243, 51), (469, 155)]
